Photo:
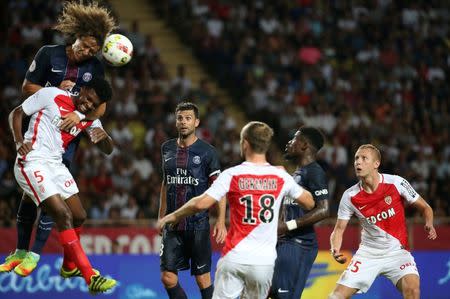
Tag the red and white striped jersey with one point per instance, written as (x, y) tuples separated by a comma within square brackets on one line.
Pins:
[(254, 193), (46, 107), (381, 213)]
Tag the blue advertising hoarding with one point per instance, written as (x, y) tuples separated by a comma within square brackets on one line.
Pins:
[(139, 278)]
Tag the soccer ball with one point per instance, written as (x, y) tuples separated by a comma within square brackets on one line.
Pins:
[(117, 49)]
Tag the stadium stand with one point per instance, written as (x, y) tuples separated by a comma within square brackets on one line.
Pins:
[(363, 73)]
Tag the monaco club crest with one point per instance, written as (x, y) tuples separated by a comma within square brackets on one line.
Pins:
[(388, 200)]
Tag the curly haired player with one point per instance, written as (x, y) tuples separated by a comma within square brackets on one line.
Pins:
[(69, 67)]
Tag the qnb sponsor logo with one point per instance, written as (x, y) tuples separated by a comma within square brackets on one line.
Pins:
[(381, 216), (321, 192)]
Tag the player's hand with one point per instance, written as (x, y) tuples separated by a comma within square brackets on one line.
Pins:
[(168, 219), (67, 85), (339, 257), (69, 121), (431, 231), (220, 232), (23, 148), (97, 135)]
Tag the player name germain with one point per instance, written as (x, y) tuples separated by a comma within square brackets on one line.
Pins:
[(257, 184)]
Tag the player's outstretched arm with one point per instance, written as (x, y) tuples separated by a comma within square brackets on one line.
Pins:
[(220, 229), (320, 212), (195, 205), (427, 214), (336, 238)]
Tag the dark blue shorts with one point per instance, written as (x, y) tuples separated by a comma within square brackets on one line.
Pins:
[(180, 247), (292, 266)]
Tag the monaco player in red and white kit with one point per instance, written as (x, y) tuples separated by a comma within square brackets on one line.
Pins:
[(254, 191), (378, 201), (41, 174)]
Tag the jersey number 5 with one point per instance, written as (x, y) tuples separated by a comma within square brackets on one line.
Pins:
[(265, 214)]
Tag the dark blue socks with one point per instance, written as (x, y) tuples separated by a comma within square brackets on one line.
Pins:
[(208, 292), (176, 292), (43, 232), (26, 215)]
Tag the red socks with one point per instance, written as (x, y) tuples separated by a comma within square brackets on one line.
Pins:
[(68, 263), (74, 253)]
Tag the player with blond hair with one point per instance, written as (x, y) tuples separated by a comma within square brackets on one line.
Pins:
[(378, 200), (254, 191)]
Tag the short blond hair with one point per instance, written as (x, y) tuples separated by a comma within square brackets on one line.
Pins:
[(373, 148), (258, 135)]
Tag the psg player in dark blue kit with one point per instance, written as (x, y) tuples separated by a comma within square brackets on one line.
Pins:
[(68, 67), (189, 166), (297, 244)]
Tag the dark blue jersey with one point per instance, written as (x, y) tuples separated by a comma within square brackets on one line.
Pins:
[(187, 172), (311, 177), (50, 67)]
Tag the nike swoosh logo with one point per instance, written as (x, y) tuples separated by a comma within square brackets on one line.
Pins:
[(362, 207), (282, 291), (64, 109), (165, 160), (199, 267), (57, 71)]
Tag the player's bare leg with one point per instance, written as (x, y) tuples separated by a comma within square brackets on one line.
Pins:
[(409, 286), (203, 280), (79, 214), (173, 288), (342, 292)]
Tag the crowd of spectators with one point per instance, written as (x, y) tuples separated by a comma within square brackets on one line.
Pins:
[(367, 72), (126, 184), (362, 71)]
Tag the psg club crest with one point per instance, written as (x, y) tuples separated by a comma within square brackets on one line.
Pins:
[(388, 200), (196, 160), (87, 77)]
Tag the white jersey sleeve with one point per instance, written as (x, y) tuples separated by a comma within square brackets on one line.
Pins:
[(406, 190), (95, 124), (345, 210), (37, 101), (220, 186), (293, 189)]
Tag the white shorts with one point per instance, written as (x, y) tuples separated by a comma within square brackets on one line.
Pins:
[(247, 281), (42, 179), (364, 268)]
